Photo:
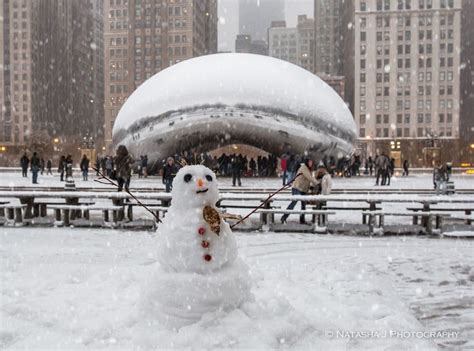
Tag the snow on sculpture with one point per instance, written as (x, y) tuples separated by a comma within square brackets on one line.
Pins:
[(220, 99), (199, 269)]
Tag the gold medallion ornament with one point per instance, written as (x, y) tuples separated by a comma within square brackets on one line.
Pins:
[(212, 217)]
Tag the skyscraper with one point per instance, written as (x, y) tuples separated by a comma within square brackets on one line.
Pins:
[(49, 79), (329, 29), (407, 81), (144, 37), (256, 16)]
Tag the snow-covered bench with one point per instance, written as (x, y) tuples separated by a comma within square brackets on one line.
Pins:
[(40, 206), (14, 212), (156, 208), (428, 214), (321, 215), (63, 212), (468, 218)]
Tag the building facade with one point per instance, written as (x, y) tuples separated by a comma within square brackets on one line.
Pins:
[(144, 37), (329, 26), (245, 44), (256, 16), (51, 77), (407, 59), (294, 45)]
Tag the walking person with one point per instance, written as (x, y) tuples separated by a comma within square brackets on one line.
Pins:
[(145, 166), (236, 163), (109, 166), (49, 164), (123, 165), (62, 167), (42, 165), (24, 162), (301, 186), (371, 165), (169, 172), (35, 167), (68, 167), (405, 168), (284, 167), (85, 167)]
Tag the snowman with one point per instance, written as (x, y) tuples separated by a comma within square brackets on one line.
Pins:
[(199, 272)]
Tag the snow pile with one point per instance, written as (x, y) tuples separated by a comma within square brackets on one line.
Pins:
[(199, 270)]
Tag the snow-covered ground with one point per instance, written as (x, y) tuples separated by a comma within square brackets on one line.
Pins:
[(77, 288)]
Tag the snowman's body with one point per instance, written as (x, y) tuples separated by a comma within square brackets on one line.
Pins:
[(199, 268)]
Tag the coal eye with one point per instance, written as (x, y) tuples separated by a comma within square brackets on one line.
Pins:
[(188, 177), (209, 178)]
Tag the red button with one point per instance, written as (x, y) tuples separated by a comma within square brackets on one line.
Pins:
[(207, 257), (205, 243), (202, 231)]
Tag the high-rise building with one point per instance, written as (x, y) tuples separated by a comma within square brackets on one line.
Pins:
[(256, 16), (144, 37), (467, 82), (407, 60), (293, 44), (283, 42), (329, 26), (50, 73), (305, 28), (245, 44)]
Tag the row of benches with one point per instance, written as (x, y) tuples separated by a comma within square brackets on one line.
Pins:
[(113, 214)]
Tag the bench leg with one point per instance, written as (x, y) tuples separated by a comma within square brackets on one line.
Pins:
[(115, 215), (371, 223), (364, 218), (415, 219), (58, 215), (66, 217), (36, 210), (18, 215), (2, 212), (106, 215), (468, 213), (10, 213), (43, 210), (429, 225), (381, 221), (86, 214), (130, 213)]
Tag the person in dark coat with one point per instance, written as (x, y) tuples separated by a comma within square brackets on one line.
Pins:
[(84, 167), (123, 166), (35, 167), (405, 168), (62, 167), (68, 167), (49, 164), (24, 162), (144, 164), (169, 172), (237, 166)]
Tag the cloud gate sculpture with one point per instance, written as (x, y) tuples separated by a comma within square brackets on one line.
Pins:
[(216, 100)]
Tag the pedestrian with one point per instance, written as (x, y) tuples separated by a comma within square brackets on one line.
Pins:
[(42, 165), (284, 168), (301, 186), (380, 168), (62, 167), (35, 167), (49, 165), (145, 166), (236, 163), (109, 167), (68, 166), (84, 167), (371, 165), (440, 178), (140, 168), (24, 162), (123, 165), (324, 179), (405, 168), (169, 172)]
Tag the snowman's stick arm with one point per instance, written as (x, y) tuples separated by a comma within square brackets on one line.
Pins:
[(106, 180), (264, 202)]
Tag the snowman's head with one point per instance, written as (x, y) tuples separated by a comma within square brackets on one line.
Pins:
[(194, 186)]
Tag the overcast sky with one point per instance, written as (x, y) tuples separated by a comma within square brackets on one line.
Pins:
[(229, 19)]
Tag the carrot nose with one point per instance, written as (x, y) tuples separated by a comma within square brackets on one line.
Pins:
[(200, 182)]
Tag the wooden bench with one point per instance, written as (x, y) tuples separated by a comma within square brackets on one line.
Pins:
[(466, 210), (63, 212), (321, 214), (40, 206), (468, 218), (154, 207), (14, 212), (352, 208), (428, 214)]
